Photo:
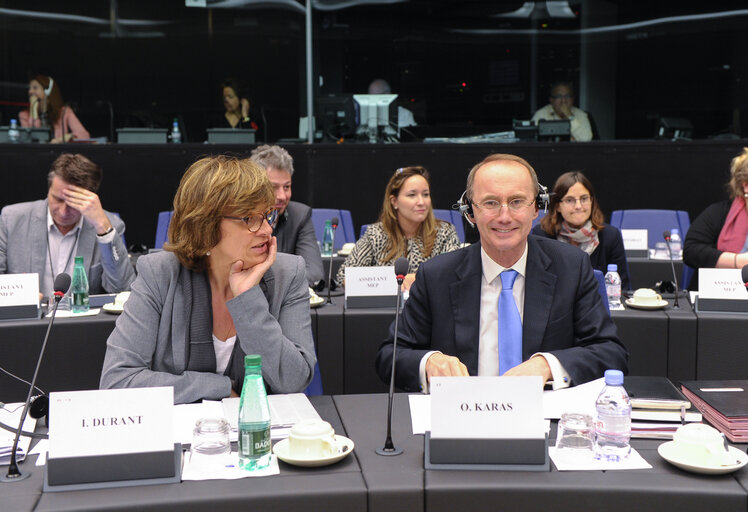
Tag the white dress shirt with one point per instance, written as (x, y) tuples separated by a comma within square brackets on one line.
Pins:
[(61, 255), (488, 331)]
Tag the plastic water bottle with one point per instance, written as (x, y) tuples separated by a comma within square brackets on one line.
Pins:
[(14, 136), (254, 418), (176, 135), (80, 287), (613, 419), (613, 286), (327, 239), (676, 244)]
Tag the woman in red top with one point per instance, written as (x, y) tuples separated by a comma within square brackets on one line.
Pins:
[(47, 109)]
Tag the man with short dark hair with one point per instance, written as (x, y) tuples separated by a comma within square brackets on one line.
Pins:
[(44, 236), (513, 304), (294, 229), (561, 106)]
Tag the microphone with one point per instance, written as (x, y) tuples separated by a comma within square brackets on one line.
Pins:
[(334, 223), (744, 276), (61, 285), (401, 268), (666, 236)]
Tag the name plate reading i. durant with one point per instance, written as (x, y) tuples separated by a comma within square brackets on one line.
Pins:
[(370, 287), (487, 420), (722, 289), (19, 296), (110, 435)]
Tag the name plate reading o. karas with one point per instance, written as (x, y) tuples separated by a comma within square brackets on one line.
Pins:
[(722, 289), (110, 435), (370, 287), (19, 296), (487, 420)]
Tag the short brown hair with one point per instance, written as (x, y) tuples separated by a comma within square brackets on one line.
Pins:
[(495, 158), (551, 223), (738, 174), (211, 188), (76, 170), (273, 156), (396, 244)]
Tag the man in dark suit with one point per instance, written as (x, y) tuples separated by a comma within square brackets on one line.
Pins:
[(452, 323), (294, 229)]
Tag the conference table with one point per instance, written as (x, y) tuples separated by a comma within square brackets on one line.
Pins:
[(676, 343), (366, 481)]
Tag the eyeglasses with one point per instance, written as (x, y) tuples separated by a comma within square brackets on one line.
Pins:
[(562, 97), (572, 201), (254, 222), (514, 205)]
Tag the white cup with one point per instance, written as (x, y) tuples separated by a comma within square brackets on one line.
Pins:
[(312, 439), (700, 445), (647, 297), (121, 298)]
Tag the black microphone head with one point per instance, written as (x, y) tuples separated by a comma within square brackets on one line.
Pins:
[(744, 274), (39, 406), (401, 266), (666, 234), (334, 222), (62, 283)]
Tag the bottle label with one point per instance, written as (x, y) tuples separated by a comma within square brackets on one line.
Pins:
[(80, 299), (254, 443)]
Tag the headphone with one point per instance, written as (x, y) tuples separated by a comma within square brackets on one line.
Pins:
[(48, 89), (465, 206)]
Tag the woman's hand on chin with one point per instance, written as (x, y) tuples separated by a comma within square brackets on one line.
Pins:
[(241, 280)]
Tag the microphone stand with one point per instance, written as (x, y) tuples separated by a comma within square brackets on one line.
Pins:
[(329, 273), (14, 474), (666, 236), (389, 449)]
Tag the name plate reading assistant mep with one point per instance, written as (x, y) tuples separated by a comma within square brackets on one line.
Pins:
[(487, 420), (370, 287), (109, 435), (19, 296), (722, 289), (636, 242)]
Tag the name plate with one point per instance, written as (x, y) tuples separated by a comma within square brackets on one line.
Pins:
[(722, 289), (635, 242), (110, 435), (370, 287), (19, 296), (487, 420)]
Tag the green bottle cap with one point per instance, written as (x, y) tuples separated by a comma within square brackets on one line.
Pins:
[(79, 260), (253, 360)]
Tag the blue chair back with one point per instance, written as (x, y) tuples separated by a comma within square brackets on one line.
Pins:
[(315, 387), (364, 227), (162, 229), (455, 220), (344, 234), (601, 287), (536, 221), (654, 221), (686, 276)]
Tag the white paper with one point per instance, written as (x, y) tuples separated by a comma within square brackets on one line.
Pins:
[(285, 410), (65, 313), (10, 414), (230, 472), (40, 449), (186, 415), (633, 461), (579, 398)]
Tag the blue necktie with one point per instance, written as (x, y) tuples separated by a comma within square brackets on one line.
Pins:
[(510, 325)]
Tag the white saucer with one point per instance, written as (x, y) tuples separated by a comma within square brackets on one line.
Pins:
[(342, 252), (345, 447), (112, 308), (659, 305), (668, 451)]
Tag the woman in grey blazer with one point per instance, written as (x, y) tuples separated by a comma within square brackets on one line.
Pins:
[(219, 291)]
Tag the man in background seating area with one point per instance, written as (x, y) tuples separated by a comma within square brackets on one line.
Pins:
[(44, 236), (294, 228), (561, 106)]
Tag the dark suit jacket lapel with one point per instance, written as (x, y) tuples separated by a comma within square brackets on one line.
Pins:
[(464, 294), (38, 234), (539, 288)]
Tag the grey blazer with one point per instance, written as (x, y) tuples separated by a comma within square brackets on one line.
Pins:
[(23, 248), (296, 235), (148, 345)]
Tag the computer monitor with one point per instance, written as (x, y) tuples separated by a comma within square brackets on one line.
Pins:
[(336, 116), (377, 116), (554, 130)]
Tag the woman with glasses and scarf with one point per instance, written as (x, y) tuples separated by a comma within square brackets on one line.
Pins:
[(406, 228), (574, 217), (217, 292)]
